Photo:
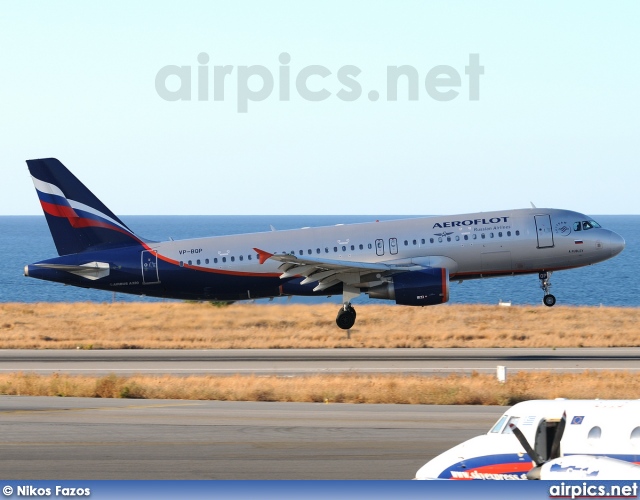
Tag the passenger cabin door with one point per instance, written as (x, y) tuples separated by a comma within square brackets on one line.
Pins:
[(545, 434), (544, 231), (149, 263)]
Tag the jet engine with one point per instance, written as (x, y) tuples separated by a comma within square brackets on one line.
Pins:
[(415, 288)]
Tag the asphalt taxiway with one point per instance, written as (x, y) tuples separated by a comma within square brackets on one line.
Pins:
[(307, 361), (76, 438)]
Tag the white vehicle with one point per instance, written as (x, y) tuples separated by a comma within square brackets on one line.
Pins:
[(579, 439)]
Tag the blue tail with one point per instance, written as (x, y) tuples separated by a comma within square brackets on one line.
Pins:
[(77, 219)]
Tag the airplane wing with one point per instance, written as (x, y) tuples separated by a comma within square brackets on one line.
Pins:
[(329, 272)]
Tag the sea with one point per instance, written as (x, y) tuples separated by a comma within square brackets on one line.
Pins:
[(26, 239)]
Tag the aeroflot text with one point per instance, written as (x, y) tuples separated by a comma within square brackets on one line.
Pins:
[(470, 222)]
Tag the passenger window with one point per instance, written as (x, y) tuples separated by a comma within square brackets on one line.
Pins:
[(406, 243), (508, 233), (241, 258), (189, 262), (422, 241), (517, 233), (415, 242), (440, 240), (466, 237), (181, 264), (430, 240), (457, 238), (500, 234), (448, 238), (317, 250), (215, 260), (198, 261), (233, 259), (475, 236), (301, 252), (206, 261), (309, 252), (490, 235), (224, 259), (249, 256), (482, 236), (326, 249), (361, 247), (335, 249), (353, 247), (344, 248), (369, 246)]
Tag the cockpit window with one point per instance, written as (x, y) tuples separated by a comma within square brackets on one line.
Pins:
[(507, 428), (585, 225), (498, 427)]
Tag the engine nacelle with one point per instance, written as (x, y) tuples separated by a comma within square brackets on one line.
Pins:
[(415, 288)]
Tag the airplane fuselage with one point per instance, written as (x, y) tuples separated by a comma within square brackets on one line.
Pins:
[(228, 268)]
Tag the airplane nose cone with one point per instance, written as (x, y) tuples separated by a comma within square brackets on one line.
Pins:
[(616, 244)]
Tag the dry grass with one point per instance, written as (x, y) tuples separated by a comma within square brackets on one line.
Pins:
[(201, 325), (389, 389)]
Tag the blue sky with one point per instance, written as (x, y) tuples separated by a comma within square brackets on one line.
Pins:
[(556, 122)]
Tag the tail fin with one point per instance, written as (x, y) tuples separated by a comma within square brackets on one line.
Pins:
[(77, 219)]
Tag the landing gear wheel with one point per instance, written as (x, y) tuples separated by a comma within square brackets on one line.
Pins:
[(549, 300), (346, 317)]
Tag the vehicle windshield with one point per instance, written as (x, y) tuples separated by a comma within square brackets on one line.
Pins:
[(496, 428), (585, 225)]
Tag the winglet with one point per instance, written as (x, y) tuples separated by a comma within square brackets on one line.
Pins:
[(262, 255)]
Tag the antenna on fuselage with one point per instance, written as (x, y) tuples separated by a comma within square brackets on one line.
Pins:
[(532, 205), (272, 228)]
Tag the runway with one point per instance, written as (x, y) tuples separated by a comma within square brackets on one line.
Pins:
[(76, 438), (292, 362)]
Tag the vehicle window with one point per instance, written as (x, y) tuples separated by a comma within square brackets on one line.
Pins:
[(507, 428), (466, 236), (249, 256), (353, 247), (517, 233), (440, 240), (422, 241), (498, 427), (233, 259), (586, 225), (457, 238), (301, 252), (508, 233), (415, 242), (317, 250), (499, 234), (335, 249), (309, 251), (215, 260), (189, 262), (594, 223), (361, 247), (224, 259), (241, 257), (206, 261), (369, 246), (406, 243), (448, 238), (430, 240), (344, 248), (577, 226), (482, 236)]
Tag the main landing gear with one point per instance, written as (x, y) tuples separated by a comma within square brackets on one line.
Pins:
[(545, 283), (346, 316)]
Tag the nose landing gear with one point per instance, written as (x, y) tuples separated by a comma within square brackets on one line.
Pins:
[(545, 283)]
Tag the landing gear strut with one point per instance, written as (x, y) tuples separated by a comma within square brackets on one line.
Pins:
[(346, 316), (545, 283)]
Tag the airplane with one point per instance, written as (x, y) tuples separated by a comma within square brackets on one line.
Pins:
[(410, 261), (572, 439)]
